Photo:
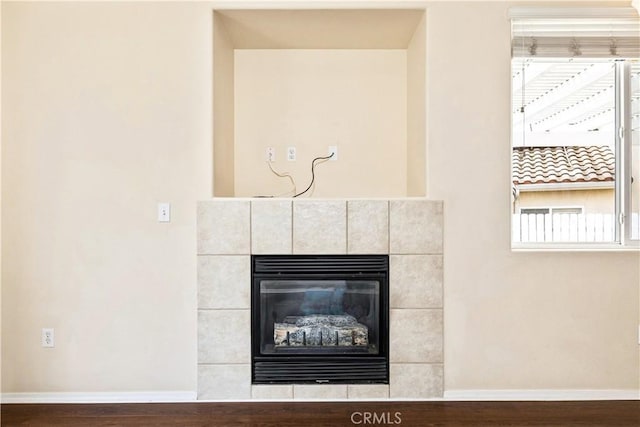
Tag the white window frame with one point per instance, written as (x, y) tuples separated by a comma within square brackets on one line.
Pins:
[(623, 137)]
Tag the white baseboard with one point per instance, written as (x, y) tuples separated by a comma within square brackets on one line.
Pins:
[(101, 397), (450, 395), (560, 395)]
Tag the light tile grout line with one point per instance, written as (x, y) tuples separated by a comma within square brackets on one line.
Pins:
[(250, 227), (417, 253), (389, 227), (225, 364), (223, 255), (292, 226), (346, 228)]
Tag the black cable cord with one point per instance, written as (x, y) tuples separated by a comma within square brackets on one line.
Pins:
[(313, 175)]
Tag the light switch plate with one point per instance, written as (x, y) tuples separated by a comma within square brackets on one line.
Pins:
[(164, 212)]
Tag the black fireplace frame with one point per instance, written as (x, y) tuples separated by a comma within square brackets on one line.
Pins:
[(326, 368)]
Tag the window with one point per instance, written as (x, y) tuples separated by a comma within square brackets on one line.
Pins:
[(575, 123)]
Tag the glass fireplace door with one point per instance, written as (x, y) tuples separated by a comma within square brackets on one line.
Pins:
[(319, 316)]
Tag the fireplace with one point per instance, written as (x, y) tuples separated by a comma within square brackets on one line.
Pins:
[(231, 231), (320, 319)]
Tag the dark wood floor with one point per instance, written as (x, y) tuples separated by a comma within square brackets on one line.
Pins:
[(547, 414)]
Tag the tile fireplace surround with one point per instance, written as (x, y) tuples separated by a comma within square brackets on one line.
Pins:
[(230, 230)]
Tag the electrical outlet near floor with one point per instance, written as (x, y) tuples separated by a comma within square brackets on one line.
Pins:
[(164, 212), (48, 338)]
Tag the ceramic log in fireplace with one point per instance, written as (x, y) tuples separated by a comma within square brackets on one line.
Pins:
[(320, 319)]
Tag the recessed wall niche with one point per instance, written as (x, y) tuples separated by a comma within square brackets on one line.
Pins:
[(312, 79)]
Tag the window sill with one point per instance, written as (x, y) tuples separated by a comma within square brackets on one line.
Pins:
[(569, 247)]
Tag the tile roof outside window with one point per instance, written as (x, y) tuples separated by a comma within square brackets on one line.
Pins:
[(563, 164)]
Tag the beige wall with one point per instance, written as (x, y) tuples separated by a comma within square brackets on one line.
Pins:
[(591, 201), (559, 320), (223, 110), (311, 99), (367, 70), (635, 172), (0, 208), (416, 111), (107, 110)]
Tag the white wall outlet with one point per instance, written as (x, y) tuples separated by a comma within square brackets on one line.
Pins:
[(48, 339), (164, 212), (271, 154), (291, 154), (333, 149)]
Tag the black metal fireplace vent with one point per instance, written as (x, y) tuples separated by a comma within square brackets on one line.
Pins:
[(320, 264), (320, 319)]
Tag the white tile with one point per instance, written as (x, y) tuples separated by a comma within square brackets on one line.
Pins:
[(271, 392), (224, 281), (224, 336), (415, 336), (223, 227), (271, 223), (415, 227), (368, 227), (319, 392), (415, 281), (319, 227), (224, 382), (368, 391), (416, 381), (237, 227)]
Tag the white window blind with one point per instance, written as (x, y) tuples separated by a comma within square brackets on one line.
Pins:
[(575, 32)]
